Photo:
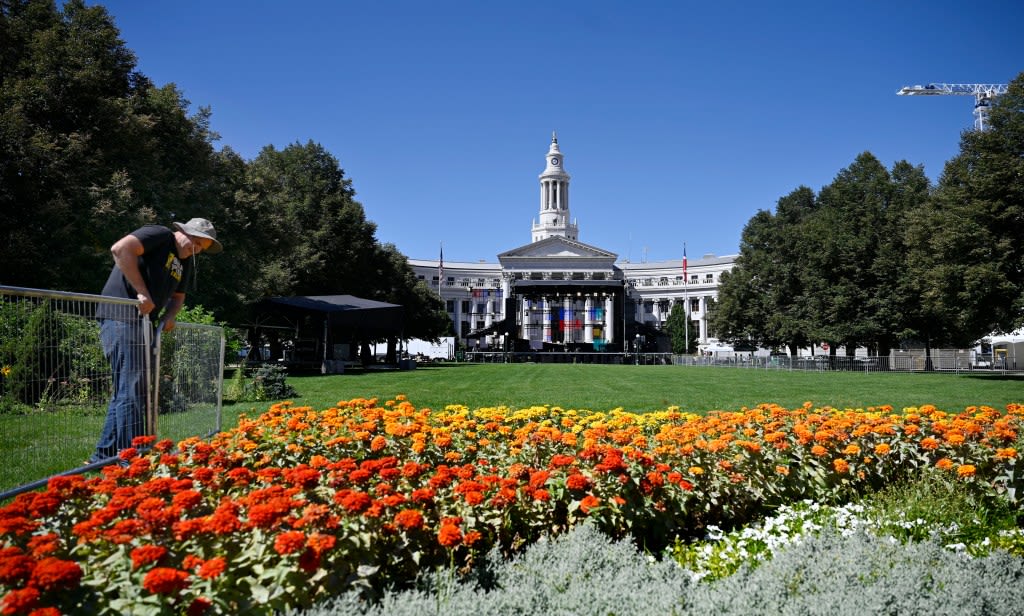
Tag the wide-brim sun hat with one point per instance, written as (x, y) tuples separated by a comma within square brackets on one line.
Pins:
[(200, 227)]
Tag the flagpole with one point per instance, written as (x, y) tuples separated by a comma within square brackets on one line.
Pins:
[(686, 304), (440, 271)]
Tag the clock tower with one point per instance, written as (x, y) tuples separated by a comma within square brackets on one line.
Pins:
[(554, 199)]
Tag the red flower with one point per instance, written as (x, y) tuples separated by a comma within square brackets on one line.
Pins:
[(199, 606), (54, 573), (187, 499), (15, 566), (165, 580), (289, 542), (21, 601), (558, 460), (409, 519), (41, 545), (147, 554), (450, 535), (224, 519), (589, 502), (302, 476), (423, 495), (44, 504), (213, 568), (309, 560), (353, 501), (321, 543), (359, 475), (241, 476), (472, 537), (577, 481), (538, 479)]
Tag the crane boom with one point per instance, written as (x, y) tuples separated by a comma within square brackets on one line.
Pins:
[(983, 94)]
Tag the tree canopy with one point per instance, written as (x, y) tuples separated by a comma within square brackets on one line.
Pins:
[(91, 149)]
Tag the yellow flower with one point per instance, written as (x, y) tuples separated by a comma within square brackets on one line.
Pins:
[(6, 371)]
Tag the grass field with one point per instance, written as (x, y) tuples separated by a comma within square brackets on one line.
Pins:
[(647, 388)]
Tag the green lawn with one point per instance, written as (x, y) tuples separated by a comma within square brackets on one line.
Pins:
[(647, 388)]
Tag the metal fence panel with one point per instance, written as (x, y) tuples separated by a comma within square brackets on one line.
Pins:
[(191, 381), (55, 382)]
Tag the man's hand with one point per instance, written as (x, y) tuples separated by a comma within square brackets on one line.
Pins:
[(169, 324), (146, 305)]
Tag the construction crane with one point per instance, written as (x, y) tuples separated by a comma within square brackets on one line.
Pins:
[(983, 94)]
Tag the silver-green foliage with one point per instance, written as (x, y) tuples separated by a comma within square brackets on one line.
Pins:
[(583, 573)]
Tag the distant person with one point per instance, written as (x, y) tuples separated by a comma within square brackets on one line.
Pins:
[(152, 264)]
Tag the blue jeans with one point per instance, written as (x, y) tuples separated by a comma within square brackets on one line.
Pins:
[(125, 348)]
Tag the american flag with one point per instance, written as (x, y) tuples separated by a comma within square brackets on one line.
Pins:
[(440, 269), (685, 281)]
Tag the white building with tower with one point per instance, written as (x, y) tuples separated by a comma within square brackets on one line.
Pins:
[(558, 294)]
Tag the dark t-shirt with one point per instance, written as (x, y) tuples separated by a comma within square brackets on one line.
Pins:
[(164, 273)]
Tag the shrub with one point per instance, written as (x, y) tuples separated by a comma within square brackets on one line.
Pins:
[(265, 382)]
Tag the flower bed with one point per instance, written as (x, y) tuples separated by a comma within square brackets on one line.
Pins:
[(298, 504)]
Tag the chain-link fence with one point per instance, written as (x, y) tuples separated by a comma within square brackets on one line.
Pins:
[(56, 382)]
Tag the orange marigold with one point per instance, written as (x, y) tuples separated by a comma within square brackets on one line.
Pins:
[(944, 464), (818, 450), (882, 449), (929, 442), (965, 470), (841, 465), (1006, 454)]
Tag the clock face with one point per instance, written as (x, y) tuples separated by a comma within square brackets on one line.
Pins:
[(554, 161)]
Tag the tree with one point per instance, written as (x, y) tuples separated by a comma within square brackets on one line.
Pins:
[(681, 330), (311, 235), (89, 149), (762, 300), (967, 256)]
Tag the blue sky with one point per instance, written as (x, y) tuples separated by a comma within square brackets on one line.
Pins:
[(678, 121)]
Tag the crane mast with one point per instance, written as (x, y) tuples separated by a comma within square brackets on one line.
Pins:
[(983, 94)]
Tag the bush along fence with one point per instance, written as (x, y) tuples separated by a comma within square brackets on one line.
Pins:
[(55, 382), (297, 505)]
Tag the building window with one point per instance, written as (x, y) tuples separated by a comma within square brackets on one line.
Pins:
[(649, 307), (450, 305), (694, 305), (597, 276), (693, 278), (465, 306), (481, 308)]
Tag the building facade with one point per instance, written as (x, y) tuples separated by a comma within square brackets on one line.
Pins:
[(559, 294)]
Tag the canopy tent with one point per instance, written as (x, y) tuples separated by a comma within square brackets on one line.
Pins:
[(369, 318), (317, 324)]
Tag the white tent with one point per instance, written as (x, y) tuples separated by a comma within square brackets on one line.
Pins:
[(1007, 349)]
